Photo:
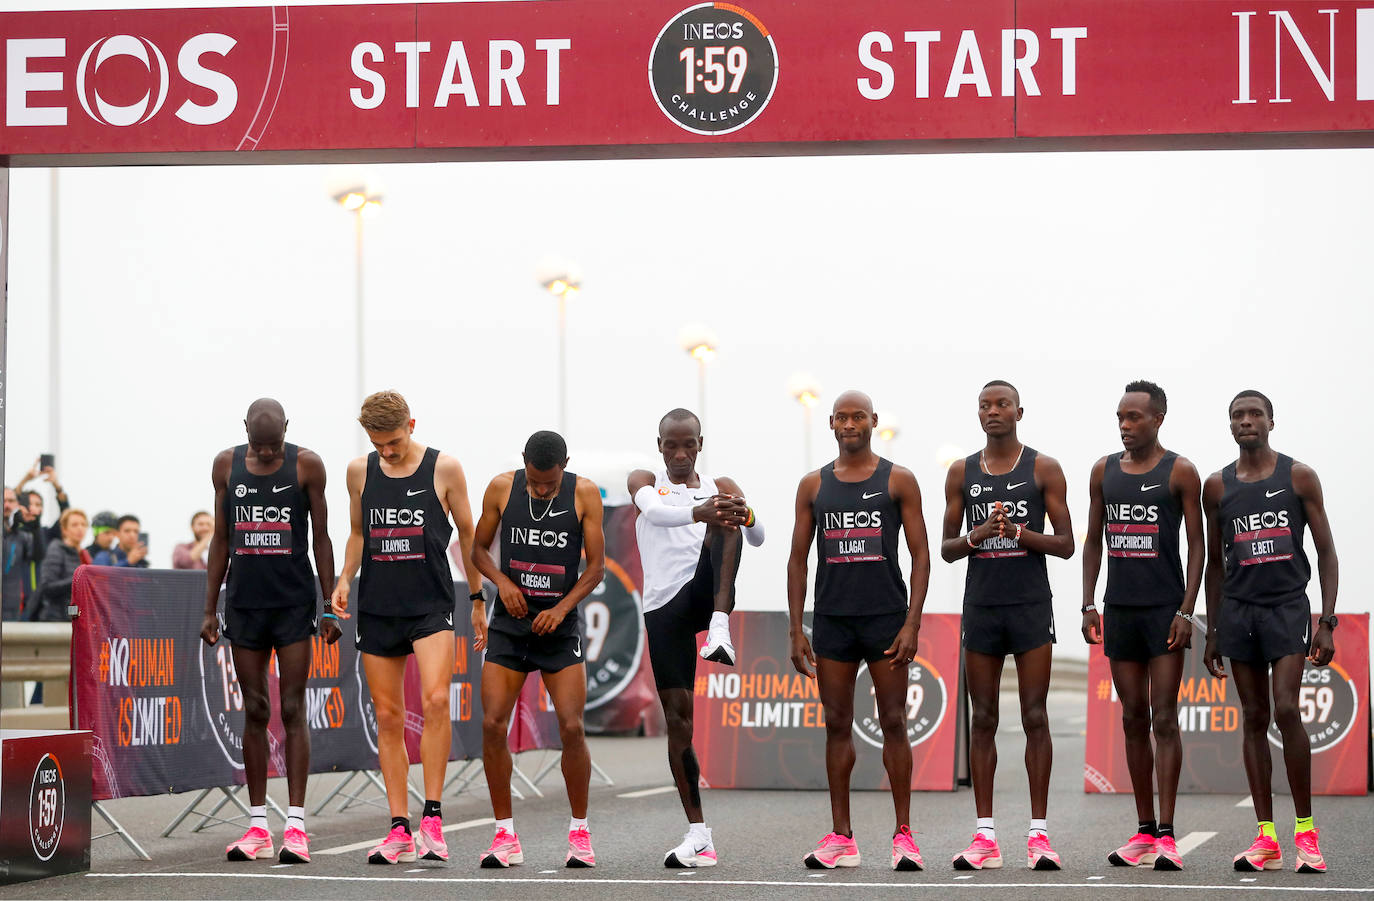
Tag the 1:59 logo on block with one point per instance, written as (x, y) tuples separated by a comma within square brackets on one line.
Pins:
[(713, 68)]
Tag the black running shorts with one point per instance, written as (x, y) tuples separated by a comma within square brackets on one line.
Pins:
[(264, 628), (672, 629), (528, 652), (1131, 632), (1259, 634), (394, 636), (850, 639), (1008, 628)]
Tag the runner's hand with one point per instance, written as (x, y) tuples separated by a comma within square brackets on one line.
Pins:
[(802, 656), (1180, 634), (722, 510), (512, 598), (209, 629), (903, 649), (547, 620), (1212, 658), (338, 601), (1323, 646), (1092, 627), (479, 625), (329, 628)]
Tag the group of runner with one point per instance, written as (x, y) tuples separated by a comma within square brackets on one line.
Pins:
[(1005, 510)]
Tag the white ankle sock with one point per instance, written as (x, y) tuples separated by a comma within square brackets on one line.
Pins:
[(985, 829), (507, 824), (257, 817), (295, 818), (575, 824), (1040, 827), (720, 620), (699, 831)]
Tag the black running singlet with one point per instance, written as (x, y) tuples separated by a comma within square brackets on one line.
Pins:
[(856, 545), (1001, 571), (541, 548), (405, 543), (1261, 535), (269, 537), (1144, 568)]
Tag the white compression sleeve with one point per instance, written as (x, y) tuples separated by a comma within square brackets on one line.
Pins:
[(658, 513), (754, 534)]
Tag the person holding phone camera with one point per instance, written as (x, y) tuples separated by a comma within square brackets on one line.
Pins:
[(16, 552), (130, 547)]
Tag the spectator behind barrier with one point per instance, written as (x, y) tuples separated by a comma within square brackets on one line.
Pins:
[(63, 556), (191, 555), (103, 532), (17, 551), (129, 549), (54, 531)]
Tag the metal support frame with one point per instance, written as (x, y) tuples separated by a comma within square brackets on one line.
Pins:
[(370, 780), (117, 829), (230, 795)]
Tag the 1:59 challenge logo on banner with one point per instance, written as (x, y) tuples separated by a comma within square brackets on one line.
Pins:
[(713, 68)]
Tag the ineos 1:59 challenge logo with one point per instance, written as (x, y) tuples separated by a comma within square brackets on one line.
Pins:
[(713, 68), (1327, 702), (47, 807), (926, 694)]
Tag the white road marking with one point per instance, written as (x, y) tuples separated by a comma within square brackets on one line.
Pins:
[(280, 866), (1021, 887), (816, 876), (358, 846), (646, 792), (1247, 801), (1192, 840), (1097, 877), (963, 877), (547, 872), (1248, 879)]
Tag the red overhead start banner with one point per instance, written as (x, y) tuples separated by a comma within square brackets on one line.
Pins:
[(609, 76)]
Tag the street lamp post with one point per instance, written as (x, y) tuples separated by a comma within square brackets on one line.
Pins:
[(700, 344), (360, 202), (806, 392), (563, 282)]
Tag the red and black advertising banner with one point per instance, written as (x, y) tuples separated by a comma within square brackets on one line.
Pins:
[(1334, 702), (166, 710), (620, 684), (607, 74), (760, 723)]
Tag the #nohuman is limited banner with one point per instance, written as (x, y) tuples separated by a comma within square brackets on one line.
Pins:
[(760, 723), (166, 710), (608, 74), (1333, 702)]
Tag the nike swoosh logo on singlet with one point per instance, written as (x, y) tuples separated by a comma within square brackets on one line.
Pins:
[(1149, 487), (706, 498), (278, 489), (1273, 493), (559, 513), (410, 493), (1011, 487), (874, 494)]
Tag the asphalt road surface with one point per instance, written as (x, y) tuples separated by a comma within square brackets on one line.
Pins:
[(759, 835)]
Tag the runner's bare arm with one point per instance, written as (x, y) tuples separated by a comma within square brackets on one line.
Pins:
[(355, 477), (1211, 506), (1187, 487), (310, 472), (906, 491), (1092, 554), (217, 558), (494, 501), (1309, 488), (803, 531), (1050, 477), (448, 473)]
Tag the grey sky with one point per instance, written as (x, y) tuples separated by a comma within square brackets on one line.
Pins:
[(187, 292)]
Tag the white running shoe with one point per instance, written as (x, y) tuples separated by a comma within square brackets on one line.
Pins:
[(692, 853), (718, 647)]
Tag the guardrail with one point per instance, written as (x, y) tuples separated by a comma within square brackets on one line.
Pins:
[(35, 652)]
